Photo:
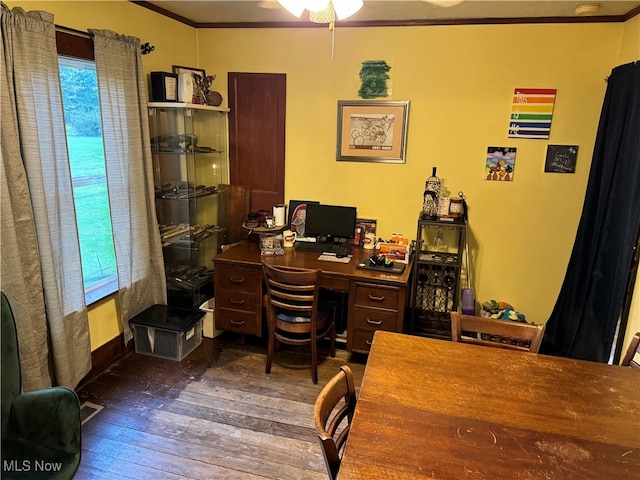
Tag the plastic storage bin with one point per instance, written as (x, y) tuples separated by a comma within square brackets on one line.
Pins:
[(167, 332)]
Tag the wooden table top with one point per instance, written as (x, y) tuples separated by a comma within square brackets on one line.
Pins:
[(439, 410), (248, 253)]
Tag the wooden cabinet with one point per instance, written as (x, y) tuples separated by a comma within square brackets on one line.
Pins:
[(436, 276), (373, 307), (238, 298)]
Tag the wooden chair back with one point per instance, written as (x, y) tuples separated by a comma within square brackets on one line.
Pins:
[(295, 314), (491, 332), (335, 404), (632, 356), (295, 292)]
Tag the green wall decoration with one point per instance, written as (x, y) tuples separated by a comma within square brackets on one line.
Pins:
[(374, 76)]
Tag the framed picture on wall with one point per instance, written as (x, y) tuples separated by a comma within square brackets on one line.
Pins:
[(561, 159), (372, 131)]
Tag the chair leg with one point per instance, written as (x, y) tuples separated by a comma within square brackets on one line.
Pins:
[(314, 359), (270, 345), (332, 339)]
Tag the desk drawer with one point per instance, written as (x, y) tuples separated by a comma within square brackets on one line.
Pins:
[(361, 341), (235, 300), (236, 321), (238, 278), (378, 296), (373, 319)]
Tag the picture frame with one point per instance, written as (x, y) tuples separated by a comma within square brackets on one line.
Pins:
[(363, 226), (199, 95), (372, 131), (298, 216), (561, 159), (178, 69)]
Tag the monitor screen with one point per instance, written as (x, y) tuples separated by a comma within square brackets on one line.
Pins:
[(336, 223)]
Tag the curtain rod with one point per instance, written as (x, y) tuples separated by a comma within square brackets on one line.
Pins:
[(73, 31), (145, 48)]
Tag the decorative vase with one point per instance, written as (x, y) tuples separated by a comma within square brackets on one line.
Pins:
[(431, 196)]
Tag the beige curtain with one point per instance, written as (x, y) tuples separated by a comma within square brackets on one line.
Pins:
[(125, 130), (41, 269)]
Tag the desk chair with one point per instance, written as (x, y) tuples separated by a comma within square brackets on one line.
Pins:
[(41, 427), (630, 359), (331, 431), (491, 332), (295, 315)]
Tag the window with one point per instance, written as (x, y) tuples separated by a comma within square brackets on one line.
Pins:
[(86, 156)]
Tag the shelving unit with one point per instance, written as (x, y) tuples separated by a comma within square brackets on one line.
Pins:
[(435, 289), (190, 162)]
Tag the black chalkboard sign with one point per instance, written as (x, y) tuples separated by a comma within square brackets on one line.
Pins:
[(561, 158)]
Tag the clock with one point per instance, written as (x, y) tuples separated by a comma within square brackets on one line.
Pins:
[(185, 87), (164, 87)]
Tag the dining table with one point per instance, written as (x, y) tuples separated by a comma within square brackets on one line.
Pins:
[(441, 410)]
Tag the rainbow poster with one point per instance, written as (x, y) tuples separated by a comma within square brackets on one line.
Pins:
[(531, 112)]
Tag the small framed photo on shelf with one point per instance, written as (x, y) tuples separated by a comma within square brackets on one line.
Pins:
[(177, 69), (197, 86)]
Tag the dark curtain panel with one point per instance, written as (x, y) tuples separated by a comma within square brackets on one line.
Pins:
[(583, 322)]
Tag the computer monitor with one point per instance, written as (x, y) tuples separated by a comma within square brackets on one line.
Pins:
[(330, 223)]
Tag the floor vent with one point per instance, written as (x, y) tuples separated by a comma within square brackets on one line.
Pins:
[(88, 410)]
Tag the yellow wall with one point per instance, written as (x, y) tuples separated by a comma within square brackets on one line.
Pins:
[(459, 80), (630, 43)]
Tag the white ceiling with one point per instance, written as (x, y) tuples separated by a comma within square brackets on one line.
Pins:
[(213, 12)]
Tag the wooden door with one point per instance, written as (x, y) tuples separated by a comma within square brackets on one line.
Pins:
[(257, 135)]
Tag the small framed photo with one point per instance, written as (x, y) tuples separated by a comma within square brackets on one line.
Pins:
[(363, 226), (372, 131), (561, 158), (199, 76), (177, 69), (298, 216)]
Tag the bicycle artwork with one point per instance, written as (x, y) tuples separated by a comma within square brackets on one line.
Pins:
[(372, 132)]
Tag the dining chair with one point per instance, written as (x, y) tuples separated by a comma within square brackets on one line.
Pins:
[(335, 404), (492, 332), (630, 359), (295, 314)]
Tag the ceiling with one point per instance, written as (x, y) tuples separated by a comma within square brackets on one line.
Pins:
[(268, 13)]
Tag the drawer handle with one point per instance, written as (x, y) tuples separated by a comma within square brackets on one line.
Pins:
[(368, 342), (236, 302), (236, 280), (237, 322), (376, 299), (374, 322)]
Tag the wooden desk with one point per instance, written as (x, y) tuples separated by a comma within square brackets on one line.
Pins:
[(376, 299), (439, 410)]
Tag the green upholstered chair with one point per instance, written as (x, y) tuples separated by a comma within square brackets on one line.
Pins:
[(41, 430)]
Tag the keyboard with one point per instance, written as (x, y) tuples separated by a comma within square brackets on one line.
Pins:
[(320, 247)]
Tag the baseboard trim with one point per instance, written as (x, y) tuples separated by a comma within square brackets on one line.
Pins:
[(104, 356)]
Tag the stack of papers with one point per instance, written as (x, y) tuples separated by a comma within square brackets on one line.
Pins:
[(331, 257)]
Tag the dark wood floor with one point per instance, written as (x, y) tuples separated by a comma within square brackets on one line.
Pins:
[(215, 415)]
